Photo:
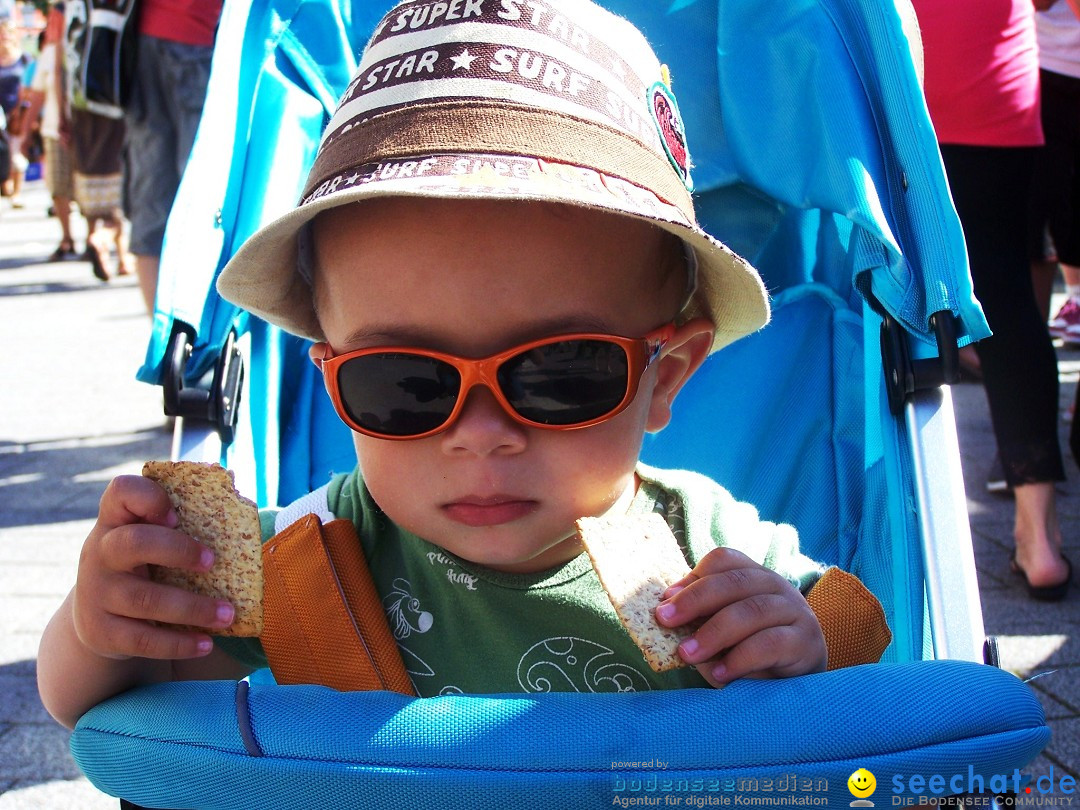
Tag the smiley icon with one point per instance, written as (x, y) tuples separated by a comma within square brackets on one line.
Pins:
[(861, 783)]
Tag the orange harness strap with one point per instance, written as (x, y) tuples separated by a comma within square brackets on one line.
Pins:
[(323, 621), (851, 619)]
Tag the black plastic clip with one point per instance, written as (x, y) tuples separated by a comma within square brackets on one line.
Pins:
[(903, 375), (215, 397)]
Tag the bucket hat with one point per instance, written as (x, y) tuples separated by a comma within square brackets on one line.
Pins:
[(559, 102)]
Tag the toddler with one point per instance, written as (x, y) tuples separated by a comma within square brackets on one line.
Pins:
[(497, 258)]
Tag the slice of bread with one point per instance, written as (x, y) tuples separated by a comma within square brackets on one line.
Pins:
[(637, 558), (215, 514)]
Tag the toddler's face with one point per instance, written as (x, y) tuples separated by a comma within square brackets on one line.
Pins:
[(471, 279)]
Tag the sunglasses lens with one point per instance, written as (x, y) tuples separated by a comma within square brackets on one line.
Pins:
[(398, 394), (567, 382)]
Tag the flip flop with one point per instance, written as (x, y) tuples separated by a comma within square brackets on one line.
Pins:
[(1044, 593), (93, 255), (63, 252)]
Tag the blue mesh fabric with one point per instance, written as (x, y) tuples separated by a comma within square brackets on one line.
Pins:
[(777, 419), (172, 745)]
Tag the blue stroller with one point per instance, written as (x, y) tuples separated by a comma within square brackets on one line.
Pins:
[(814, 159)]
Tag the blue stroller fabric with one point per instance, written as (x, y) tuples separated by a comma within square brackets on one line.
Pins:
[(214, 745), (813, 157), (776, 87)]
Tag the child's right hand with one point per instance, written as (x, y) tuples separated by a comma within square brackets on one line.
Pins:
[(115, 603)]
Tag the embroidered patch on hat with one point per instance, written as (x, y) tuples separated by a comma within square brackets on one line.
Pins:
[(669, 124)]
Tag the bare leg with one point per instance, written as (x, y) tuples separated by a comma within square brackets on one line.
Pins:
[(1043, 274), (62, 206), (16, 188), (147, 268), (1071, 274), (124, 259), (97, 251), (1038, 535), (969, 361)]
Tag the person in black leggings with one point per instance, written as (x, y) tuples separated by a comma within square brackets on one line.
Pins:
[(990, 187), (981, 82)]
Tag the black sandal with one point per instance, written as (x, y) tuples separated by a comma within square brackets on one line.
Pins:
[(64, 251), (1044, 593), (93, 255)]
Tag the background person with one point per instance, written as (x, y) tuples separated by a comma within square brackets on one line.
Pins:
[(982, 89), (97, 144), (48, 88), (97, 149), (175, 46), (14, 63), (1054, 235)]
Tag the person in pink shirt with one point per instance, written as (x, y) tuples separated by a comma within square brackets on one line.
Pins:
[(982, 90)]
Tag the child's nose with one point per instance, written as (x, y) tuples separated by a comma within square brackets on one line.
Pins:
[(484, 427)]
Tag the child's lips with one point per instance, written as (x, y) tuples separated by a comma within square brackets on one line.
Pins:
[(489, 510)]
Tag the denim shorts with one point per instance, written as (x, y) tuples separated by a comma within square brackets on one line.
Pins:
[(162, 117)]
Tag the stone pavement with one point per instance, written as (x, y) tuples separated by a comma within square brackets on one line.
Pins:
[(72, 416)]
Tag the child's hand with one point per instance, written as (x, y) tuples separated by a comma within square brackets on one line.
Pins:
[(115, 601), (756, 623)]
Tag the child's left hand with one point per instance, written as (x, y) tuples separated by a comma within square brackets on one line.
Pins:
[(757, 624)]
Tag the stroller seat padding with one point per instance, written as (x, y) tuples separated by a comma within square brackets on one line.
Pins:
[(183, 744)]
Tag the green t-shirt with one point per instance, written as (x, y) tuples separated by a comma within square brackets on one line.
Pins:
[(463, 628)]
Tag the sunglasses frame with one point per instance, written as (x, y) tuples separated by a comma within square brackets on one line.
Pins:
[(640, 353)]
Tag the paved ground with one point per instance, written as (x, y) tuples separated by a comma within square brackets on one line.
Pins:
[(72, 417)]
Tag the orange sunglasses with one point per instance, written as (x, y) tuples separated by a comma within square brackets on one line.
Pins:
[(557, 383)]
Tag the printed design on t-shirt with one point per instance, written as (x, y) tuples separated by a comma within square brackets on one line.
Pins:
[(671, 509), (453, 573), (406, 617), (567, 663)]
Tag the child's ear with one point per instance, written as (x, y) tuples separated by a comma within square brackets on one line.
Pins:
[(317, 352), (681, 357)]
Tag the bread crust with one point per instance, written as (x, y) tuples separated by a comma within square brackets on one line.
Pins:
[(636, 558), (214, 513)]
